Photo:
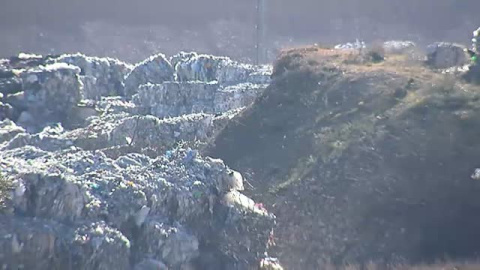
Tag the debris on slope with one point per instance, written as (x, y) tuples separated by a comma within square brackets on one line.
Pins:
[(236, 96), (49, 93), (54, 87), (6, 110), (155, 69), (138, 133), (101, 77), (45, 93), (357, 45), (207, 68), (32, 243), (172, 99), (99, 181), (145, 199), (8, 130), (9, 82), (230, 72), (95, 78), (398, 46), (195, 67), (262, 75)]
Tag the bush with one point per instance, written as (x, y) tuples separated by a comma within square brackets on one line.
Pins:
[(376, 54)]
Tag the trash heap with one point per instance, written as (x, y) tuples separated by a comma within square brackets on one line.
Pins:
[(398, 46), (172, 99), (357, 45), (103, 169), (88, 210), (54, 88), (79, 91), (100, 76), (155, 69), (204, 84)]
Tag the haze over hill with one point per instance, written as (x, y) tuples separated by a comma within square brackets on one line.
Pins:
[(132, 30)]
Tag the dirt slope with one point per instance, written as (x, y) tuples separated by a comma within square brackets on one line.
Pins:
[(362, 161)]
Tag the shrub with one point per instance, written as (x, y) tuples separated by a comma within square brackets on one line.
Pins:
[(375, 54)]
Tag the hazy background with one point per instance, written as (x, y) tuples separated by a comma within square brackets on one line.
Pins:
[(132, 30)]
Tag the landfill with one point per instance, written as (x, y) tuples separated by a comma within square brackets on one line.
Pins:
[(103, 170), (398, 46)]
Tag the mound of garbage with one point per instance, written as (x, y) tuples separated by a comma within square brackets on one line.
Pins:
[(362, 162), (100, 164), (398, 46)]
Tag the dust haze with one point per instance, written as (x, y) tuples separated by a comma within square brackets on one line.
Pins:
[(132, 30)]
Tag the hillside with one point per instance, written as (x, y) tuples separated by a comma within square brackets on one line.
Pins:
[(361, 161)]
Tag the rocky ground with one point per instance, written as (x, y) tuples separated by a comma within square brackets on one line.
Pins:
[(100, 165)]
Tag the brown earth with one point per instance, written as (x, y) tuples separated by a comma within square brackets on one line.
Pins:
[(361, 161)]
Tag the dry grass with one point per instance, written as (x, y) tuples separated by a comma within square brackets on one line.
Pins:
[(357, 61)]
